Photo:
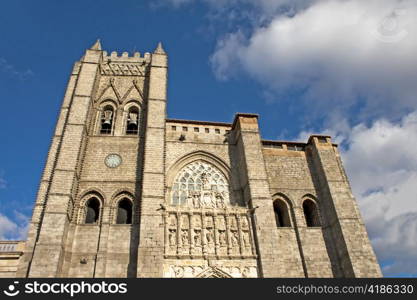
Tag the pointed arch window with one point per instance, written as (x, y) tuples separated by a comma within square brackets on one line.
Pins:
[(107, 117), (311, 213), (200, 184), (92, 211), (132, 121), (282, 216), (124, 212)]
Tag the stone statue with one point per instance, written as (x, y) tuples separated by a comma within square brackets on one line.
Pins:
[(205, 181), (209, 236), (184, 237), (196, 200), (172, 237), (179, 272), (235, 239), (197, 238), (219, 200), (246, 241), (222, 237)]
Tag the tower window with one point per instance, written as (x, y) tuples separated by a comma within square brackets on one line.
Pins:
[(132, 121), (107, 120), (311, 213), (217, 130), (92, 211), (282, 216), (124, 212)]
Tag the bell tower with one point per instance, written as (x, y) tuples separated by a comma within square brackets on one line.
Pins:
[(108, 143)]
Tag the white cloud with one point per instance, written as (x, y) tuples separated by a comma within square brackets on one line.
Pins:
[(381, 163), (3, 182), (10, 69), (343, 56), (338, 53), (11, 230)]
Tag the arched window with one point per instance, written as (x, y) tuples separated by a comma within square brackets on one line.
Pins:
[(311, 213), (132, 124), (107, 120), (124, 212), (282, 216), (200, 184), (92, 211)]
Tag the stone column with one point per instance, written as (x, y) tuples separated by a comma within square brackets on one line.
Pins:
[(56, 194), (343, 223), (151, 238)]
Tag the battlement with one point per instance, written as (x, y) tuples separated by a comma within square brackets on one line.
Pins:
[(297, 146), (126, 57), (11, 246)]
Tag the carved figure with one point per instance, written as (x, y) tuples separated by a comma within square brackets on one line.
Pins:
[(235, 239), (209, 236), (172, 237), (184, 237)]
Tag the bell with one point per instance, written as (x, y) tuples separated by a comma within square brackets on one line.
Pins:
[(107, 116), (133, 118)]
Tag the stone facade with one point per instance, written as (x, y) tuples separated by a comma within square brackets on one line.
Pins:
[(127, 192)]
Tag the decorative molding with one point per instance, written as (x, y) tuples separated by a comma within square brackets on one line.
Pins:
[(127, 69)]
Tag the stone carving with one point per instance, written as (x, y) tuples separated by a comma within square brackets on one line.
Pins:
[(196, 221), (207, 200), (245, 272), (209, 236), (195, 199), (184, 221), (233, 223), (245, 237), (196, 270), (172, 237), (235, 238), (197, 237), (215, 271), (184, 237), (172, 221), (196, 233), (221, 223), (209, 222), (222, 238), (200, 185), (245, 225), (205, 181), (121, 69), (179, 272)]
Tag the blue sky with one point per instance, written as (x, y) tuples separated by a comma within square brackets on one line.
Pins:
[(345, 68)]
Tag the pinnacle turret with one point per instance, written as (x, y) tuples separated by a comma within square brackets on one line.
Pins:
[(96, 46), (159, 49)]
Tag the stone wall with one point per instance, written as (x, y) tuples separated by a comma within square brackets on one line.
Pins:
[(10, 257)]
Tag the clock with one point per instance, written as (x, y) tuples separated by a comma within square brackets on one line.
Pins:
[(113, 160)]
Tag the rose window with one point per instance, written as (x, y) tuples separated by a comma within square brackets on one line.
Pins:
[(200, 184)]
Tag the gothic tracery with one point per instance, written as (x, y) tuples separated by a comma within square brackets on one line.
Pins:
[(200, 184)]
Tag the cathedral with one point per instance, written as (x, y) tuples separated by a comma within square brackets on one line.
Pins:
[(128, 192)]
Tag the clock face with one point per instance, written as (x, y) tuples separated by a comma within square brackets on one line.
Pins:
[(113, 160)]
